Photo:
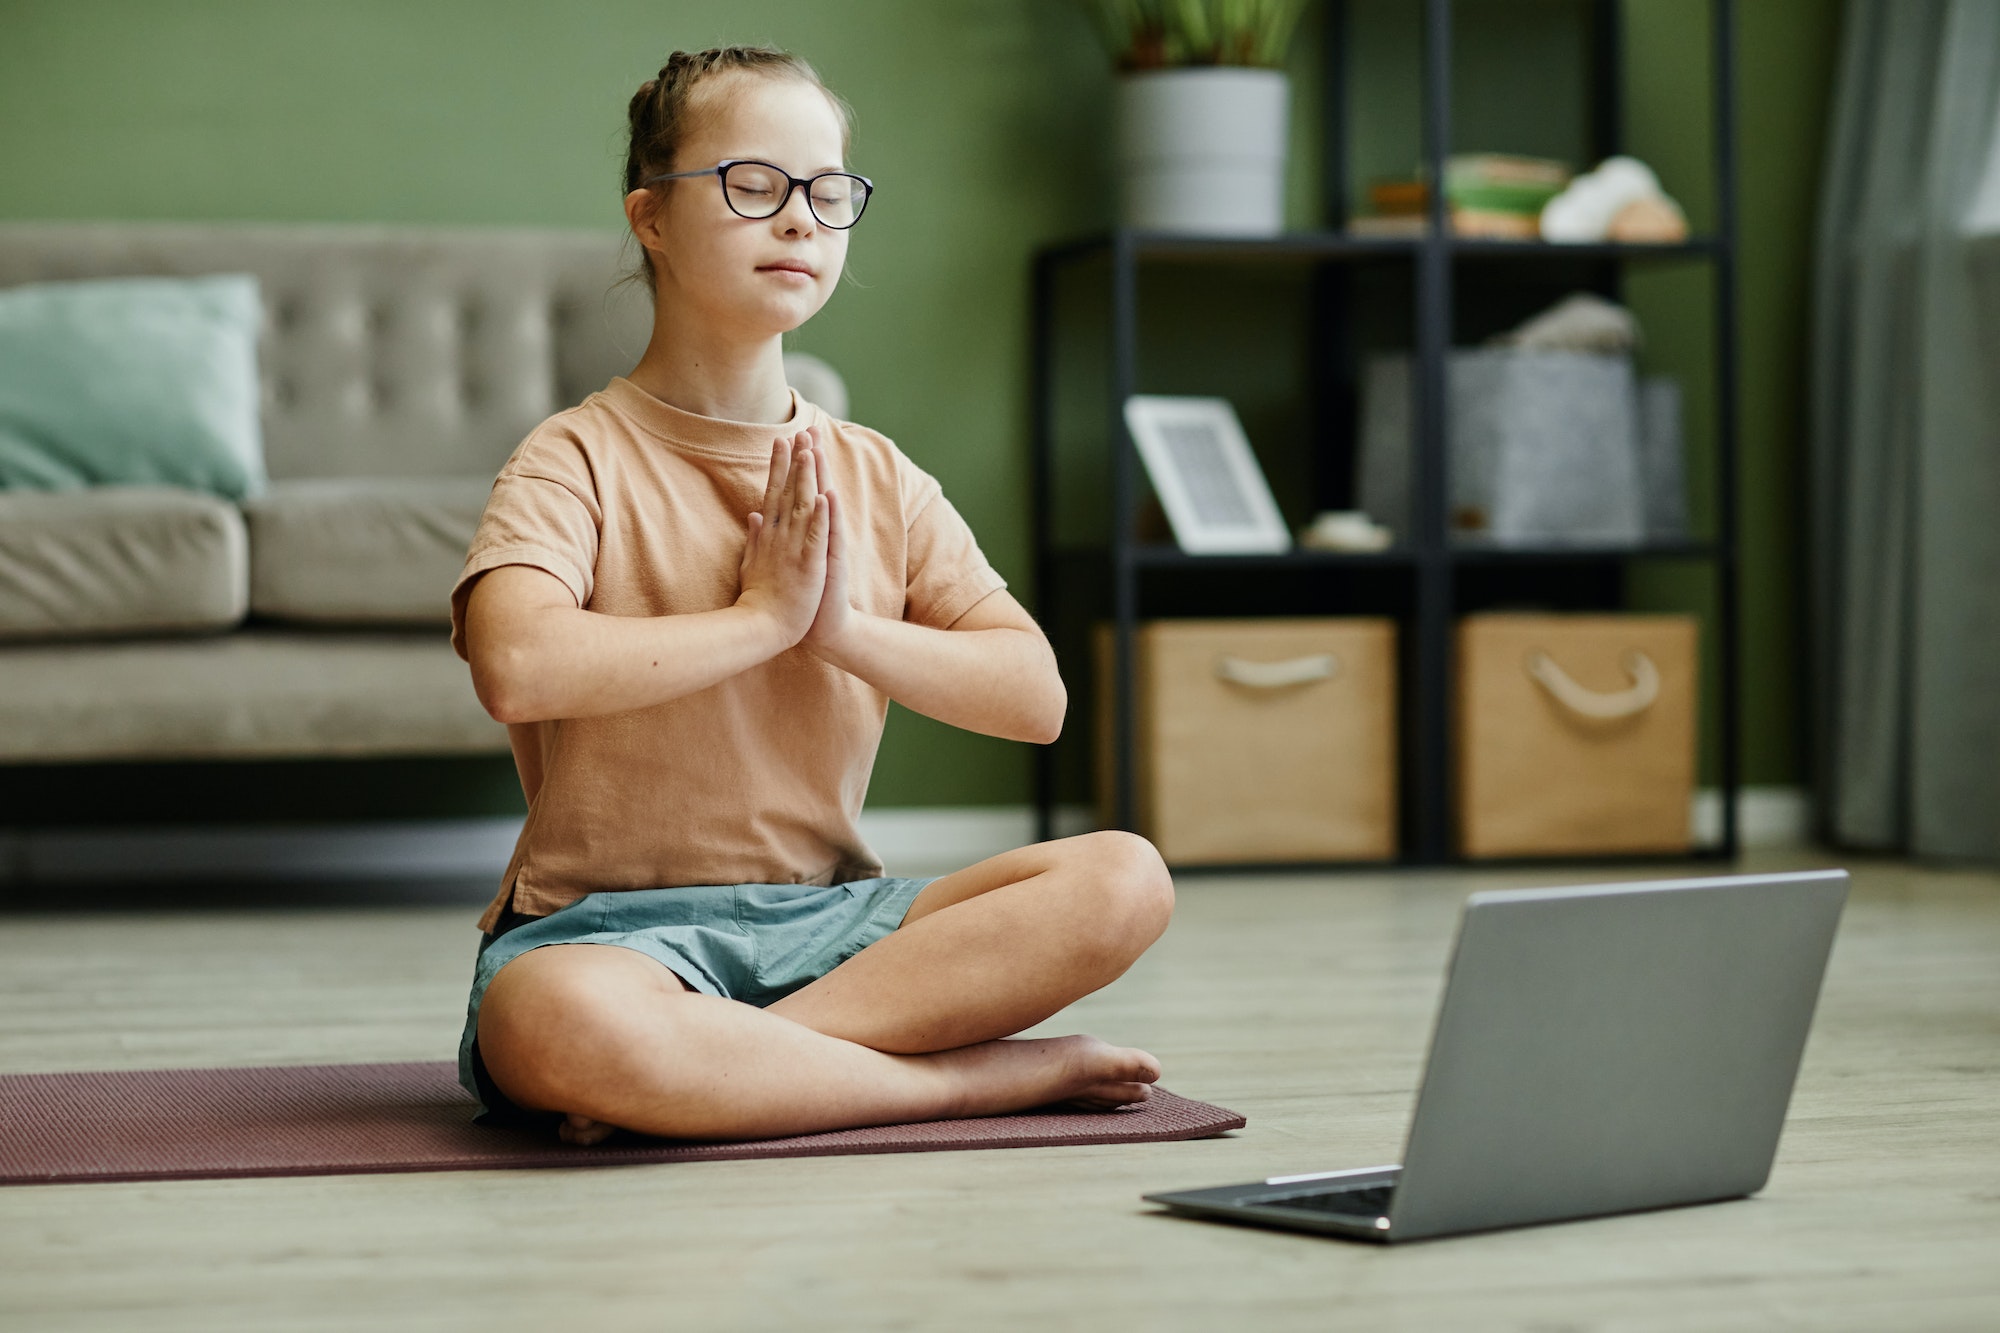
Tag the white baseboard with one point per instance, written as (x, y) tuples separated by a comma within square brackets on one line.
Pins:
[(1765, 816), (920, 840), (910, 840)]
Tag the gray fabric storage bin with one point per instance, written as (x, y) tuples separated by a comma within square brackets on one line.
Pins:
[(1544, 447), (1663, 459)]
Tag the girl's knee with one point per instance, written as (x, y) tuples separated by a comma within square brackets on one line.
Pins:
[(554, 1023), (1137, 892)]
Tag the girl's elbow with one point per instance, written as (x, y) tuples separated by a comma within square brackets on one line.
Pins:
[(1047, 724), (502, 686), (500, 704)]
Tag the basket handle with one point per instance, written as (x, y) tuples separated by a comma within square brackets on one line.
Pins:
[(1589, 703), (1277, 675)]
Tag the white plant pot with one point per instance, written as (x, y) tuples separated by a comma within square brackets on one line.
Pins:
[(1203, 150)]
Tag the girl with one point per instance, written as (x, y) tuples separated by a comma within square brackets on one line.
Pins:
[(690, 599)]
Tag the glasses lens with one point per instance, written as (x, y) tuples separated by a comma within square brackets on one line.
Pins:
[(837, 200), (754, 190)]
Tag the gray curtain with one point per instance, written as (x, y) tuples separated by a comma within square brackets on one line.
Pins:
[(1905, 438)]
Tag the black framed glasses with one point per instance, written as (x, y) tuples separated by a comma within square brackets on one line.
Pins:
[(755, 189)]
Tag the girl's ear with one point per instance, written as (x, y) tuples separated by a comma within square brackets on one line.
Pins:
[(642, 209), (643, 213), (641, 205)]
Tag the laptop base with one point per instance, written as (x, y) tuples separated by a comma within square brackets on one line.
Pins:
[(1353, 1204)]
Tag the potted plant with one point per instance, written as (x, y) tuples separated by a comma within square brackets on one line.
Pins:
[(1201, 111)]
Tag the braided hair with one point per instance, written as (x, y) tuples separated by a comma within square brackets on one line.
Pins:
[(664, 110)]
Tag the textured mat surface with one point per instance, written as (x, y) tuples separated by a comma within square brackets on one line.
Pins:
[(314, 1120)]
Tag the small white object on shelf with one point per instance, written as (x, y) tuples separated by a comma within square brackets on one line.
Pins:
[(1345, 530), (1589, 209), (1200, 463)]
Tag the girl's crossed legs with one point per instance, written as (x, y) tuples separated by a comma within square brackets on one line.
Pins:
[(907, 1029)]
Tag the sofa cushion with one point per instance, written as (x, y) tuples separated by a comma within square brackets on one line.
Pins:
[(119, 560), (131, 381), (374, 551), (254, 694)]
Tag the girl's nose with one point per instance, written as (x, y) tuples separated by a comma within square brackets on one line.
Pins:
[(797, 215)]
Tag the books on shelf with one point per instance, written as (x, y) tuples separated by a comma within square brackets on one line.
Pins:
[(1493, 195)]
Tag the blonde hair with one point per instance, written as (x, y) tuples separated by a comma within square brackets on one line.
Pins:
[(665, 111)]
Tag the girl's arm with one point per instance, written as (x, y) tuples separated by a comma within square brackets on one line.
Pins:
[(536, 655), (992, 672)]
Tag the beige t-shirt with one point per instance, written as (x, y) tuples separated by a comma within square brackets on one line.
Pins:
[(640, 508)]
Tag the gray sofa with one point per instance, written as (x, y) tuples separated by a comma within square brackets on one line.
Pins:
[(398, 369)]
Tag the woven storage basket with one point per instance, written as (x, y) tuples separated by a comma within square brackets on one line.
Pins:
[(1576, 734), (1259, 740)]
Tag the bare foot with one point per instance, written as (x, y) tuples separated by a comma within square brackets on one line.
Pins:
[(1015, 1073), (583, 1131), (1106, 1076)]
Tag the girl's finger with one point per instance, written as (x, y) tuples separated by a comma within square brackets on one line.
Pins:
[(796, 504), (824, 475), (836, 531), (781, 468), (806, 489)]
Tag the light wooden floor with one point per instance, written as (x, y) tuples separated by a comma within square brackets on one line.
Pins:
[(1304, 1002)]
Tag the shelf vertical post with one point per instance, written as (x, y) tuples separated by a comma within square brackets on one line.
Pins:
[(1430, 489), (1729, 577), (1332, 339), (1041, 483), (1607, 114), (1607, 106), (1124, 568), (1334, 203)]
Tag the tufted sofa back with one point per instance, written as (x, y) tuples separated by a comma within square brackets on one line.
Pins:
[(388, 351)]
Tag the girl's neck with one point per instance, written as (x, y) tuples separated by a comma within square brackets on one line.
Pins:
[(715, 377)]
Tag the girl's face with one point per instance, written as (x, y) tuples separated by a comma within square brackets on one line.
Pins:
[(754, 277)]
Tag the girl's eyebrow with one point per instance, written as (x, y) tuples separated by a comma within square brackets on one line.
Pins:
[(756, 157)]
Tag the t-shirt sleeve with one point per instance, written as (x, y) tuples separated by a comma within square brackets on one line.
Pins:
[(539, 516), (947, 573)]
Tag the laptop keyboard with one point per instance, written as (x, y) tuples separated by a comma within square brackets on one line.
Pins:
[(1373, 1201)]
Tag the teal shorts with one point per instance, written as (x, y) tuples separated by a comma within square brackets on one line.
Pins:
[(751, 942)]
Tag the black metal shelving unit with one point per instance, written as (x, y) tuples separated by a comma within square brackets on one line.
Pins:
[(1425, 580)]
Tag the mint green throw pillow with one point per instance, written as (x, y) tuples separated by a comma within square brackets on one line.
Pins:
[(131, 381)]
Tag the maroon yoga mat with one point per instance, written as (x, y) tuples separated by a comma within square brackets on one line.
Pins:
[(315, 1120)]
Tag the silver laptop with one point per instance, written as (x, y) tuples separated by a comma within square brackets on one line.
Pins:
[(1599, 1050)]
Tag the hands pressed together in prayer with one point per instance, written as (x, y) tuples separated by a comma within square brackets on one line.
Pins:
[(795, 563), (537, 655)]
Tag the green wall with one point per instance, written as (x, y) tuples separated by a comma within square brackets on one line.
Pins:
[(984, 123)]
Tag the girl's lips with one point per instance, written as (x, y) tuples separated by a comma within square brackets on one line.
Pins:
[(799, 269)]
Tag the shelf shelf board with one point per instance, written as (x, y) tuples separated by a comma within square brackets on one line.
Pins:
[(1160, 556), (1295, 245), (1547, 555), (1472, 247)]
